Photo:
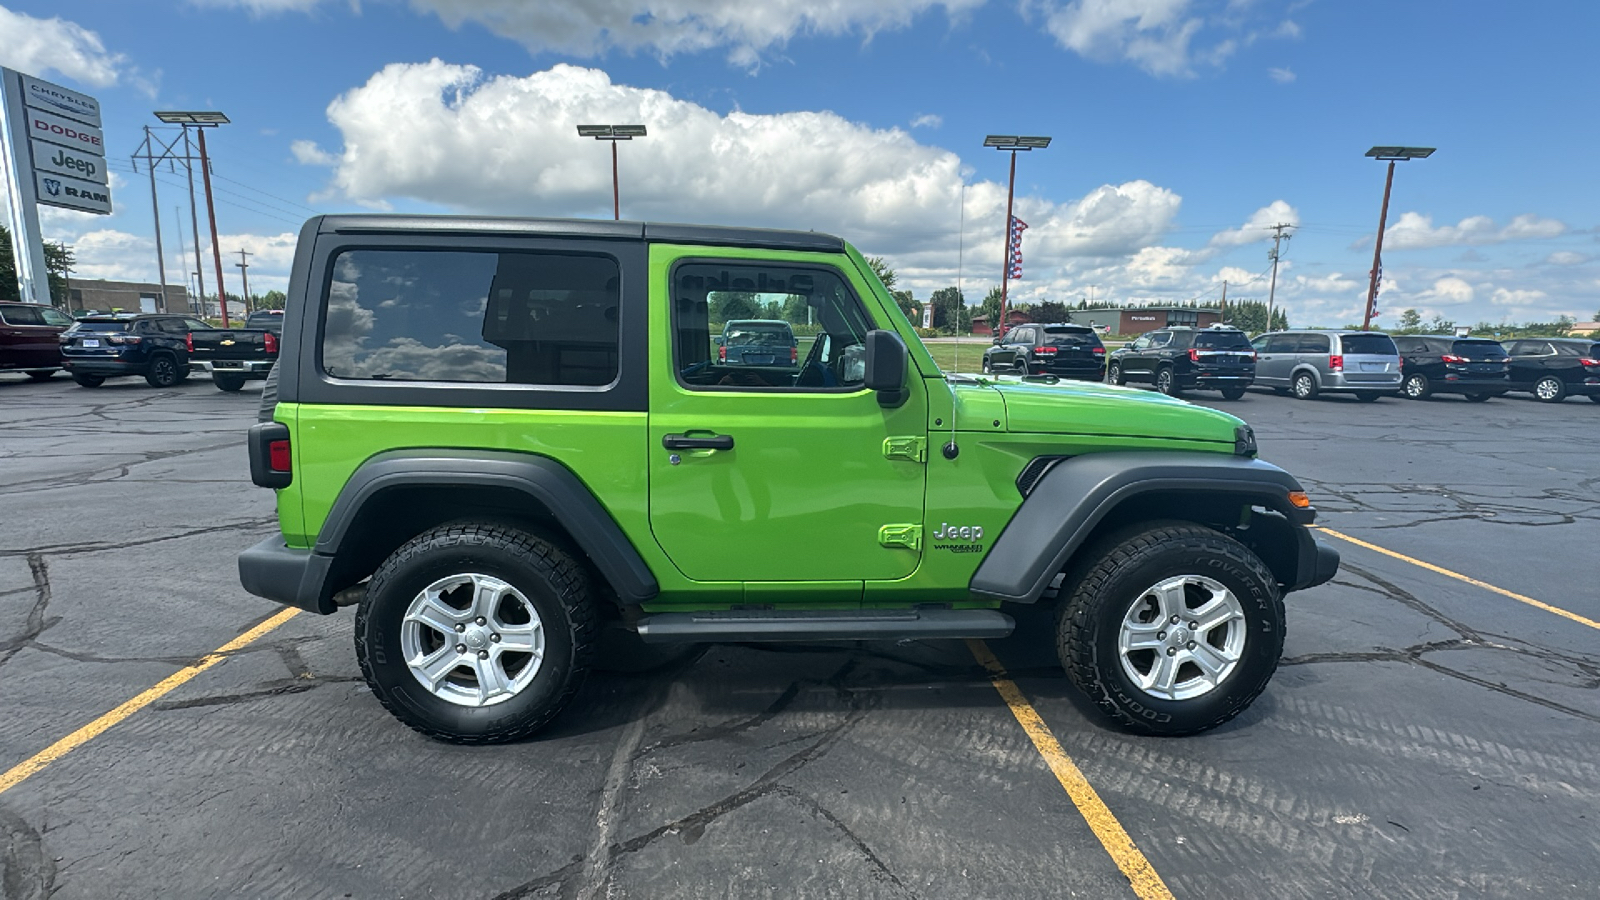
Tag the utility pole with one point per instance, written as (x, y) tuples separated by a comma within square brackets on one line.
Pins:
[(244, 275), (1223, 316), (155, 210), (194, 223), (1277, 237)]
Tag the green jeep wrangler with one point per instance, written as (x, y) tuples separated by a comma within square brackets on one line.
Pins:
[(499, 437)]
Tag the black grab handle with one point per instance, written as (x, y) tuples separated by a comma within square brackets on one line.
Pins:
[(684, 442)]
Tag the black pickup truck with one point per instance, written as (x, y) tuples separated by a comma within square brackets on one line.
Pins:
[(237, 355)]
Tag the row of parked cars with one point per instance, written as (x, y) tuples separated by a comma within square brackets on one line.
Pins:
[(162, 348), (1306, 363)]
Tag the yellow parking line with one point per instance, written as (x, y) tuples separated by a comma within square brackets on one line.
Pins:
[(89, 732), (1141, 875), (1536, 604)]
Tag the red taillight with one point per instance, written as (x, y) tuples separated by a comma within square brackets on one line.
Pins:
[(271, 342), (1194, 355), (1252, 356), (1452, 358), (1586, 361), (1044, 351), (1099, 351), (188, 341), (278, 456), (794, 356), (1335, 362), (722, 354), (123, 339)]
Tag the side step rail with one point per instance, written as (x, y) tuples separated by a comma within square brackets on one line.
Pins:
[(741, 625)]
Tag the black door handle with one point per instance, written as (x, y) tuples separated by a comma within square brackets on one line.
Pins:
[(684, 442)]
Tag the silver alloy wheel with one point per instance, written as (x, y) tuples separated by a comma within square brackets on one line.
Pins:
[(1303, 386), (1182, 637), (472, 639), (1164, 381), (1547, 389), (1415, 386), (1115, 375)]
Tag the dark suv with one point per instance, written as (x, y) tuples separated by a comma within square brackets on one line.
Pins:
[(1180, 359), (29, 339), (1441, 364), (1552, 368), (155, 346), (1067, 351)]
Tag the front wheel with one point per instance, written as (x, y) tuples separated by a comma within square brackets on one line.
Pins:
[(1417, 387), (1550, 389), (89, 380), (1232, 393), (229, 383), (476, 634), (1114, 374), (1173, 629)]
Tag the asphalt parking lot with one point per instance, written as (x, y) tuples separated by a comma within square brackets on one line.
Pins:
[(1425, 736)]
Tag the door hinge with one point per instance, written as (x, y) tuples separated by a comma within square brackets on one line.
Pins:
[(914, 449), (907, 536)]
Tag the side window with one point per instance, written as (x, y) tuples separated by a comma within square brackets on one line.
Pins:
[(1142, 342), (196, 325), (1260, 344), (1281, 343), (144, 326), (174, 326), (1313, 343), (21, 315), (819, 321), (1160, 339), (1027, 336), (1538, 348), (55, 318), (471, 316)]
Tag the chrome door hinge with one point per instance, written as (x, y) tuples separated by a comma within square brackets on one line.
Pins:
[(907, 536), (914, 449)]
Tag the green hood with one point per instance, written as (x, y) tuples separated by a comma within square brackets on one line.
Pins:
[(1079, 407)]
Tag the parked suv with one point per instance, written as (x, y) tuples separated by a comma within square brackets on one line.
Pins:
[(30, 339), (1552, 368), (1066, 351), (496, 437), (1180, 358), (1307, 363), (758, 342), (155, 346), (1440, 364)]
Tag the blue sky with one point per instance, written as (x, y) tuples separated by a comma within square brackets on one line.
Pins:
[(1182, 129)]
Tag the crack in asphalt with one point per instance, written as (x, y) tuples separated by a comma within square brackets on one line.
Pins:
[(82, 478), (691, 827), (277, 688), (35, 624), (26, 871), (1468, 504), (100, 547)]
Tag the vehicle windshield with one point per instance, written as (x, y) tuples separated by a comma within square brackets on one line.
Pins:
[(1221, 340), (1368, 344), (1071, 337), (1478, 348), (264, 318), (762, 336)]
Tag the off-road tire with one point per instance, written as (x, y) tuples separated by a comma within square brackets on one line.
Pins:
[(1232, 393), (89, 380), (1304, 386), (163, 371), (1113, 577), (555, 584), (42, 376), (229, 383)]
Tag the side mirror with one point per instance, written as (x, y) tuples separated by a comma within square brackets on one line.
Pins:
[(886, 358), (719, 340), (997, 340)]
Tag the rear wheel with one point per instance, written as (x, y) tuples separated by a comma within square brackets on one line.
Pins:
[(1165, 383), (229, 383), (1479, 398), (1417, 387), (89, 380), (42, 376), (476, 634), (987, 369), (1173, 629), (1367, 396), (1232, 393), (163, 372), (1022, 367), (1114, 374), (1550, 389), (1304, 386)]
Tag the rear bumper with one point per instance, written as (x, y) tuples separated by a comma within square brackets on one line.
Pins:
[(102, 366), (1338, 382), (287, 575), (249, 369), (1218, 380), (1468, 384)]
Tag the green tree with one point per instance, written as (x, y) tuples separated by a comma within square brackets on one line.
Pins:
[(59, 260), (1410, 322), (991, 308), (1051, 311), (727, 305), (271, 300), (950, 312), (881, 269), (1441, 325)]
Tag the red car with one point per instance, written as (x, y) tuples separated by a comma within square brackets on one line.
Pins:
[(30, 338)]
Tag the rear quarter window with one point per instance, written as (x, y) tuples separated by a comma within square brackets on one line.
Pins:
[(1222, 340)]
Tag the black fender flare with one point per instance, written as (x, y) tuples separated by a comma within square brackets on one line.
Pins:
[(1075, 494), (540, 478)]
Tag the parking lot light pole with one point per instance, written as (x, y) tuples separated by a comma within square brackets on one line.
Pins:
[(201, 121), (1013, 143), (613, 133), (1392, 155)]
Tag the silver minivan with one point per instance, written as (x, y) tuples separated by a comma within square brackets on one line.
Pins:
[(1308, 363)]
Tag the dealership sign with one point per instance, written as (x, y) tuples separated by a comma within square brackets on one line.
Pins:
[(67, 147)]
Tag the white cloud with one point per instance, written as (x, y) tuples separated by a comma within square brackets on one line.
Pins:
[(1258, 227), (927, 120), (42, 47), (1153, 34), (1447, 291), (1567, 258), (307, 153), (1281, 76), (1518, 298), (1415, 231)]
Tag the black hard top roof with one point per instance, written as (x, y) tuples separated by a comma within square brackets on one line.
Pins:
[(653, 232)]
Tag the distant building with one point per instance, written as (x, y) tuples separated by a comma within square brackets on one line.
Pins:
[(1140, 319), (126, 296), (980, 324)]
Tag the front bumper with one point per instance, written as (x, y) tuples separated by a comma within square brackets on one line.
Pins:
[(287, 575), (1316, 564)]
